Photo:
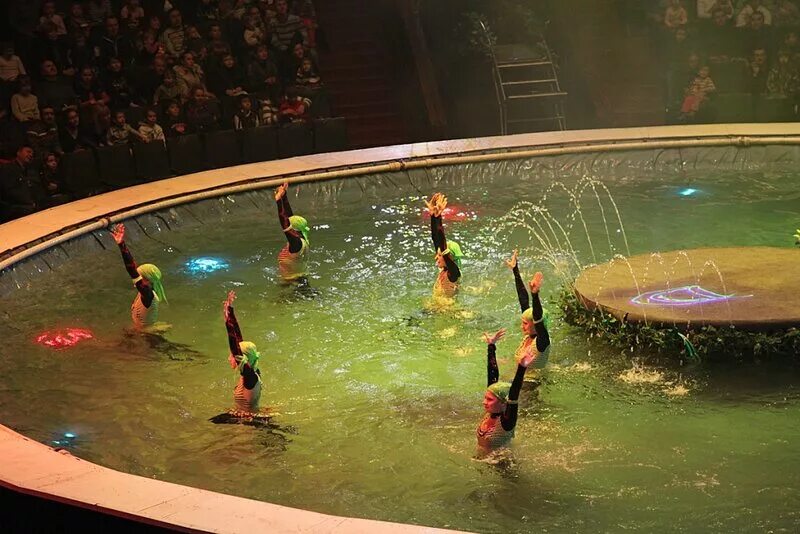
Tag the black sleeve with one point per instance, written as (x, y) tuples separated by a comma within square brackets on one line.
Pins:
[(542, 336), (234, 333), (522, 291), (492, 372), (453, 272), (142, 286), (509, 417), (437, 233), (292, 236), (250, 376)]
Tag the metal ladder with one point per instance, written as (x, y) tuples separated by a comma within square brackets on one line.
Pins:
[(527, 87)]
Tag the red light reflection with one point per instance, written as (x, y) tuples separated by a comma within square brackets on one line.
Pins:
[(61, 339), (454, 212)]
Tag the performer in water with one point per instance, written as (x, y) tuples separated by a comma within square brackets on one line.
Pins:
[(534, 318), (244, 358), (147, 281), (293, 257), (448, 253), (500, 400)]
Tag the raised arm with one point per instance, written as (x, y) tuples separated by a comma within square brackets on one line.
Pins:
[(284, 212), (522, 291), (436, 206), (492, 372), (142, 286), (509, 417), (542, 336), (232, 325)]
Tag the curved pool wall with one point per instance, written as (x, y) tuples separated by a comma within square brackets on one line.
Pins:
[(44, 241)]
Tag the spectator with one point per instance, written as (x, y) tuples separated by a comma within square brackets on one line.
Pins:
[(786, 14), (50, 16), (24, 104), (675, 15), (72, 137), (80, 53), (679, 48), (42, 134), (245, 117), (120, 132), (54, 48), (174, 36), (308, 15), (698, 92), (89, 90), (190, 72), (11, 135), (286, 28), (217, 45), (175, 124), (53, 89), (293, 109), (195, 43), (97, 11), (758, 72), (113, 44), (254, 33), (119, 89), (756, 34), (151, 79), (76, 20), (201, 111), (207, 13), (11, 66), (154, 26), (719, 38), (172, 89), (307, 75), (101, 125), (791, 44), (228, 79), (151, 48), (753, 6), (20, 188), (262, 74), (705, 8), (51, 181), (132, 15), (149, 129), (269, 113), (783, 79)]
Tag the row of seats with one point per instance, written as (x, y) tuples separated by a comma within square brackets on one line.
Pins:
[(744, 107), (88, 172)]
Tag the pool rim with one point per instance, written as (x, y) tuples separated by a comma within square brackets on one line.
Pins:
[(58, 474)]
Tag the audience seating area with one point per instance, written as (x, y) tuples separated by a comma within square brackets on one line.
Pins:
[(102, 94)]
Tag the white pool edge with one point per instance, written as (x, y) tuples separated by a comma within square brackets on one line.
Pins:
[(33, 468)]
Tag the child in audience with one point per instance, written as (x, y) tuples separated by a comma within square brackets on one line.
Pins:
[(149, 129), (697, 92), (307, 75), (245, 117), (120, 132), (24, 104), (174, 124), (675, 15), (269, 113)]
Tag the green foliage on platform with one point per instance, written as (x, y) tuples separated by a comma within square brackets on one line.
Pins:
[(708, 342)]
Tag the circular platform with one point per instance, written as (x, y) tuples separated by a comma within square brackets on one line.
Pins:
[(753, 288)]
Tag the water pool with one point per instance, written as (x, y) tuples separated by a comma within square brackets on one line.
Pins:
[(377, 400)]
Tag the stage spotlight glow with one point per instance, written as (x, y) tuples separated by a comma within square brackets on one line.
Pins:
[(61, 339), (682, 296), (204, 265)]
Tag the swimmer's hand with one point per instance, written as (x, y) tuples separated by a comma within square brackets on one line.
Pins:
[(492, 339), (226, 305), (536, 282), (280, 192), (512, 262), (432, 205), (118, 233), (528, 356)]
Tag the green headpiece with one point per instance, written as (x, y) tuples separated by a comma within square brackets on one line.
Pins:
[(527, 315), (299, 224), (454, 249), (249, 355), (152, 274), (500, 390)]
